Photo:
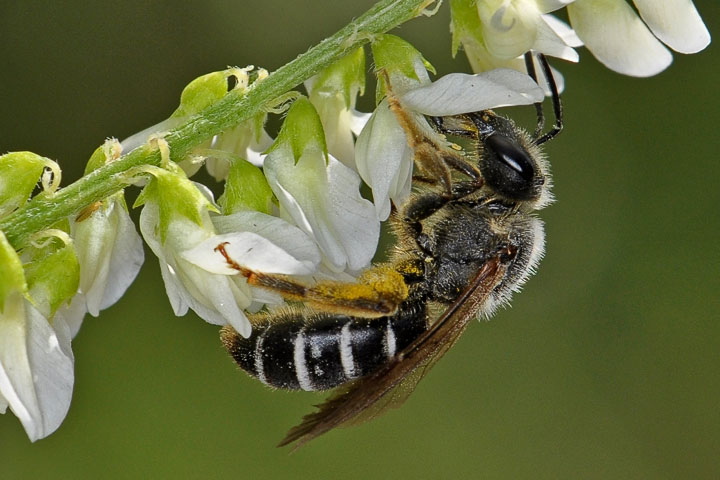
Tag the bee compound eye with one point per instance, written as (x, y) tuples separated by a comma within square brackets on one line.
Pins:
[(507, 167)]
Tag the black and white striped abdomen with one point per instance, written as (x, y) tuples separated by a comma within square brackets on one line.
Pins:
[(318, 351)]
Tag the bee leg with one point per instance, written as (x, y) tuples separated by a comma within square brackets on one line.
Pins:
[(378, 292), (422, 179), (463, 166), (427, 153), (456, 161), (419, 209), (439, 124)]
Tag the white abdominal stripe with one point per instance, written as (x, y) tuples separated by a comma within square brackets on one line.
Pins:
[(321, 351)]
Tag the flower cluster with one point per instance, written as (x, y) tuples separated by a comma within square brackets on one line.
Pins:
[(82, 265), (496, 33), (292, 205)]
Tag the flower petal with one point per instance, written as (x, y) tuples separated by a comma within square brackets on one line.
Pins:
[(358, 120), (563, 30), (248, 250), (509, 28), (462, 93), (73, 314), (141, 138), (323, 199), (283, 234), (110, 253), (336, 120), (356, 223), (676, 22), (382, 157), (215, 298), (550, 43), (618, 38), (546, 6), (36, 372), (125, 260)]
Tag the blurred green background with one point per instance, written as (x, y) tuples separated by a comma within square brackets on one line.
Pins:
[(606, 366)]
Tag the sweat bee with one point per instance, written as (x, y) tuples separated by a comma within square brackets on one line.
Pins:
[(466, 240)]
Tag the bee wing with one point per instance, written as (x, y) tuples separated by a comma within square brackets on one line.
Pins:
[(371, 395)]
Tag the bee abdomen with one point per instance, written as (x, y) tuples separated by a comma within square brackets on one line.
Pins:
[(320, 351)]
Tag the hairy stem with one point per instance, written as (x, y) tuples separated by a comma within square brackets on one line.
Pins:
[(43, 211)]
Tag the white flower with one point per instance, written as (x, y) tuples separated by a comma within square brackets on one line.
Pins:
[(260, 243), (384, 154), (174, 219), (497, 34), (385, 160), (333, 93), (619, 39), (319, 194), (36, 367), (110, 253), (249, 140), (513, 27), (176, 224), (257, 242), (36, 361)]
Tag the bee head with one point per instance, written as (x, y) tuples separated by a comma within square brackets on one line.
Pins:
[(511, 164)]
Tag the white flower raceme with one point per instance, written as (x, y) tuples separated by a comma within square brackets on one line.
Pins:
[(384, 156), (617, 37), (36, 361), (333, 93), (319, 194)]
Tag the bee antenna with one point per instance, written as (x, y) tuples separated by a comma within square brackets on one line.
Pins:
[(557, 104)]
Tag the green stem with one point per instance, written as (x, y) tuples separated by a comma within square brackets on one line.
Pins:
[(42, 212)]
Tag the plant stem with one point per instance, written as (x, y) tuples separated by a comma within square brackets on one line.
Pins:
[(236, 107)]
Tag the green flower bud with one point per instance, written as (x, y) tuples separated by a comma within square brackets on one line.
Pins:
[(245, 189), (175, 196), (402, 62), (301, 130), (53, 273), (19, 174)]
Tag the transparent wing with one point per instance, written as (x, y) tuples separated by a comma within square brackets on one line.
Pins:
[(393, 382)]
